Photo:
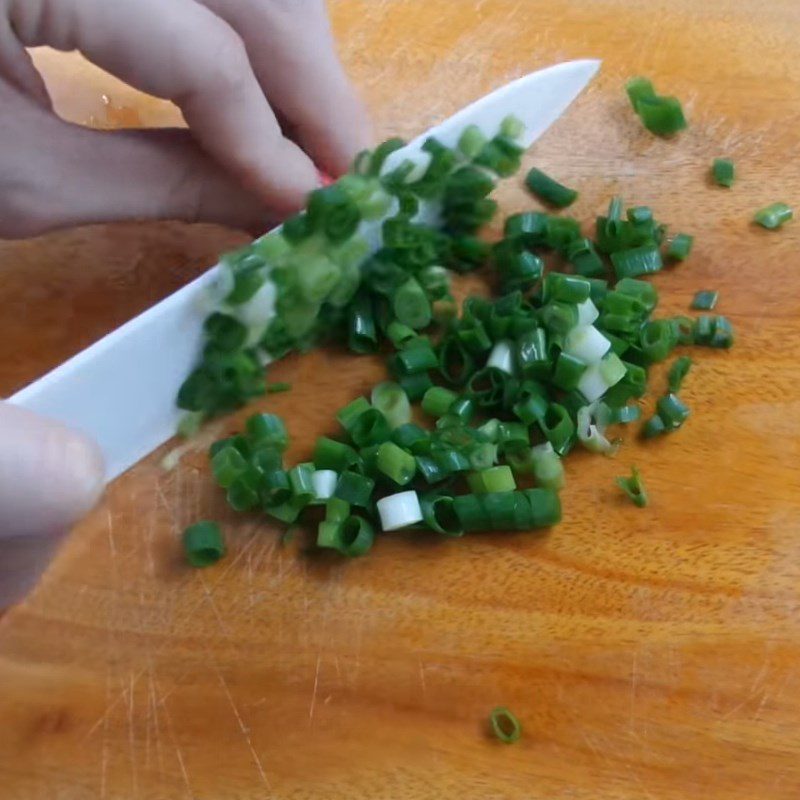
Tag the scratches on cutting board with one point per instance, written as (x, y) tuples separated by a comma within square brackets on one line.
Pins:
[(170, 725), (132, 735), (313, 703), (243, 728)]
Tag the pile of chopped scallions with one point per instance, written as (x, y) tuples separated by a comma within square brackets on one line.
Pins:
[(506, 387)]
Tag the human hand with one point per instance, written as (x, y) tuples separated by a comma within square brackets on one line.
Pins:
[(234, 67), (49, 478)]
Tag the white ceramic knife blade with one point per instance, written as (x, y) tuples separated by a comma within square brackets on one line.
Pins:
[(121, 391)]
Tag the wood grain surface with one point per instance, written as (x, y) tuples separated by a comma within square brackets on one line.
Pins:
[(648, 654)]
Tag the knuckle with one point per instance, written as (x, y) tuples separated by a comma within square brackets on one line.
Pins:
[(231, 65)]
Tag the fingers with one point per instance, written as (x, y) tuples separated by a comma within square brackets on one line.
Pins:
[(49, 478), (292, 51), (17, 67), (181, 51), (60, 175)]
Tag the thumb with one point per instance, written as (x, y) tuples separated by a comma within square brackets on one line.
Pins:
[(49, 478), (84, 176)]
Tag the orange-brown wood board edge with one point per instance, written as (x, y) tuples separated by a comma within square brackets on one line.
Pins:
[(648, 653)]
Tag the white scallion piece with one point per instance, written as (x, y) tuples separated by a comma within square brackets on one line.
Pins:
[(587, 312), (399, 511), (591, 431), (502, 357), (587, 344), (600, 377), (258, 311), (324, 483), (591, 385), (547, 467), (612, 369)]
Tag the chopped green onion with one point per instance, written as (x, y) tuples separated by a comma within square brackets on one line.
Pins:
[(438, 513), (530, 227), (324, 482), (203, 544), (677, 372), (430, 469), (336, 510), (276, 489), (411, 305), (581, 253), (412, 438), (301, 481), (773, 216), (370, 427), (348, 415), (415, 385), (637, 261), (390, 399), (558, 428), (548, 469), (672, 410), (684, 330), (330, 454), (227, 465), (532, 354), (277, 388), (723, 171), (560, 232), (332, 211), (639, 89), (599, 378), (654, 427), (361, 331), (456, 363), (625, 414), (644, 292), (355, 488), (545, 507), (559, 317), (471, 514), (662, 116), (591, 433), (399, 511), (568, 371), (472, 141), (505, 725), (640, 215), (417, 357), (356, 536), (437, 401), (395, 463), (512, 127), (400, 335), (225, 332), (549, 191), (463, 409), (493, 479), (705, 300), (502, 357), (351, 537), (566, 288), (586, 344), (634, 488), (657, 339), (713, 332), (680, 247)]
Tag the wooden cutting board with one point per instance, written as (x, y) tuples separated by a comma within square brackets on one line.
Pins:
[(649, 653)]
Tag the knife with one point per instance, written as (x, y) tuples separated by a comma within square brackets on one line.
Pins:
[(121, 391)]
